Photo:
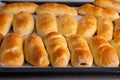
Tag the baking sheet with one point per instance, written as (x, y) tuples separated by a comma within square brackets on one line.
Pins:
[(27, 68), (63, 71), (55, 0)]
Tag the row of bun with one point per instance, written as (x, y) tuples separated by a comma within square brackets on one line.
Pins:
[(61, 18), (57, 51), (59, 37)]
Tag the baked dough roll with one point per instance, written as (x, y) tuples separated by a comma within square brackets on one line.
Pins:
[(117, 28), (1, 38), (116, 44), (46, 23), (15, 8), (65, 9), (56, 46), (87, 26), (11, 51), (110, 14), (23, 23), (109, 4), (105, 28), (89, 9), (5, 22), (56, 9), (104, 54), (80, 52), (35, 52), (67, 25)]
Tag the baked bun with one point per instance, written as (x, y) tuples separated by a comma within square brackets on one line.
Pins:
[(116, 44), (67, 25), (108, 4), (1, 38), (5, 22), (23, 23), (56, 46), (56, 9), (11, 51), (15, 8), (117, 28), (104, 54), (105, 28), (89, 9), (80, 52), (87, 26), (35, 52), (46, 23)]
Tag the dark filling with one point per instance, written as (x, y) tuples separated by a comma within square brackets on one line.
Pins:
[(83, 64)]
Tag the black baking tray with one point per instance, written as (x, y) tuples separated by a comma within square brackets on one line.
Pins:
[(57, 70), (74, 4), (60, 70)]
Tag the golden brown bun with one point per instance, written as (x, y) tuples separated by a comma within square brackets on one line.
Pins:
[(46, 23), (104, 54), (116, 33), (97, 42), (35, 52), (105, 28), (15, 8), (80, 52), (117, 28), (108, 4), (108, 58), (89, 9), (1, 38), (56, 9), (110, 14), (116, 44), (56, 46), (67, 25), (87, 26), (11, 51), (23, 23), (5, 22)]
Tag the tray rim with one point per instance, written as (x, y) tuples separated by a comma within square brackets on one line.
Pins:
[(72, 3), (61, 70)]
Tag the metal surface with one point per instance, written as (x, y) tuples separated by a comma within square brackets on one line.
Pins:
[(36, 70), (53, 0)]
